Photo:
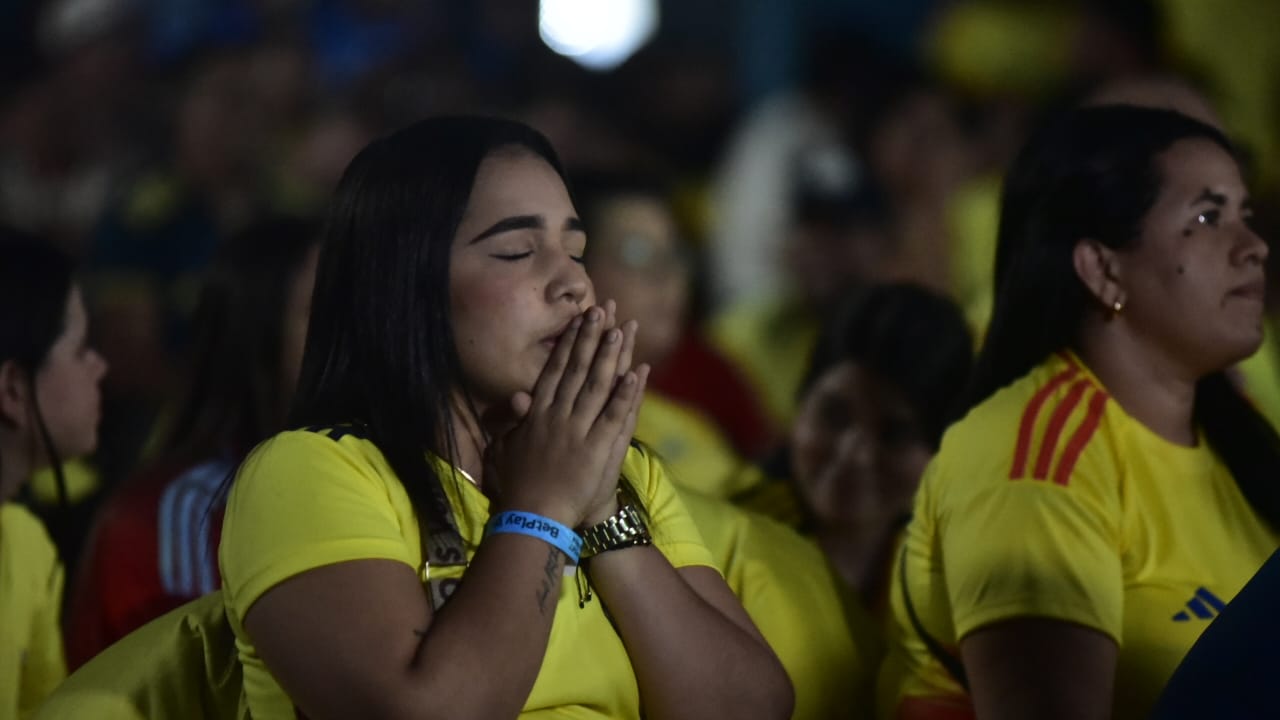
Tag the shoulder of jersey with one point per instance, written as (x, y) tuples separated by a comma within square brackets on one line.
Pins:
[(1038, 427)]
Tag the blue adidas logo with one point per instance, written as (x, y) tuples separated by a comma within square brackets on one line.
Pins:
[(1203, 605)]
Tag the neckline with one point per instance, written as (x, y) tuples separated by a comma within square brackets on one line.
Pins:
[(1146, 435)]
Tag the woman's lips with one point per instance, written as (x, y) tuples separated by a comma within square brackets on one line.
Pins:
[(1255, 290)]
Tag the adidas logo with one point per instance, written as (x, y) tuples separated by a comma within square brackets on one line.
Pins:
[(1203, 605)]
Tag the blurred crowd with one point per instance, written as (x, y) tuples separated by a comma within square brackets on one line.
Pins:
[(769, 231)]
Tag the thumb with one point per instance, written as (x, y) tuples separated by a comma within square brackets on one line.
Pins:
[(520, 404), (500, 419)]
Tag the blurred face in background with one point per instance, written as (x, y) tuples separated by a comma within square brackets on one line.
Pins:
[(857, 449), (918, 149), (67, 385), (636, 258), (828, 256)]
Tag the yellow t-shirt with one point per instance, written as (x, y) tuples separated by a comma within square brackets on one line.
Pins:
[(31, 659), (694, 451), (823, 638), (771, 342), (180, 665), (304, 499), (1048, 500)]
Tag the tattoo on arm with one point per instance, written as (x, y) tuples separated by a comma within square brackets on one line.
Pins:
[(550, 574)]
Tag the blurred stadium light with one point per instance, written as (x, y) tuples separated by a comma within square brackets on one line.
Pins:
[(597, 34)]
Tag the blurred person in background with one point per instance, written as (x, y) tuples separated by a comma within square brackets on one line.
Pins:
[(810, 553), (148, 251), (700, 415), (873, 405), (1045, 571), (71, 126), (875, 401), (154, 543), (49, 410), (752, 186), (838, 238), (913, 135)]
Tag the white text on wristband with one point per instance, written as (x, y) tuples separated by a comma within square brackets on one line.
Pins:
[(543, 528)]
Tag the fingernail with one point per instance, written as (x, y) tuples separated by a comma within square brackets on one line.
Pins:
[(611, 336), (593, 314), (630, 379), (576, 322)]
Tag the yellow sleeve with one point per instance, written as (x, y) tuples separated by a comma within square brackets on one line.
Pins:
[(301, 501), (1015, 548), (46, 666), (673, 530)]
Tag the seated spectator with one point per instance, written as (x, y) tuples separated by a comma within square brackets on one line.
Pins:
[(463, 423), (49, 410), (1045, 571), (154, 542), (876, 400), (703, 421)]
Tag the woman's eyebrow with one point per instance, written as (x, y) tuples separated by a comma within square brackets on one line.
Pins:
[(515, 222), (1208, 195)]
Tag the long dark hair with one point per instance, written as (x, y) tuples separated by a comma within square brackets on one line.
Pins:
[(1093, 174), (233, 395), (380, 350), (910, 337), (35, 285)]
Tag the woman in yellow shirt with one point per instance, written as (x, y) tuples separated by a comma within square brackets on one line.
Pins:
[(49, 410), (1109, 489), (465, 411)]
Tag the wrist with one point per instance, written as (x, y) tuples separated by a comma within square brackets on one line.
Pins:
[(624, 528), (599, 513), (559, 512), (550, 531)]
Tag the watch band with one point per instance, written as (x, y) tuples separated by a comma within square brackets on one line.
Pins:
[(623, 529)]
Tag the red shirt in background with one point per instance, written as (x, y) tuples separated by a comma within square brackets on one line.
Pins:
[(154, 546), (697, 375)]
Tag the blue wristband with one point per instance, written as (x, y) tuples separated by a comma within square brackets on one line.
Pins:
[(543, 528)]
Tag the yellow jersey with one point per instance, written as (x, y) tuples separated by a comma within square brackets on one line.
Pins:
[(694, 451), (307, 499), (1048, 500), (771, 342), (821, 634), (31, 658)]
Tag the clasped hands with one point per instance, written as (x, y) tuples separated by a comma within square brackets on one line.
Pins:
[(557, 450)]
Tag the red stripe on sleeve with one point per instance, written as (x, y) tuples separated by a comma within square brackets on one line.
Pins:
[(1056, 423), (1081, 438), (1029, 421)]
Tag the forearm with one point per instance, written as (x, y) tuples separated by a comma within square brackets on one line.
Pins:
[(691, 661), (496, 625), (360, 638)]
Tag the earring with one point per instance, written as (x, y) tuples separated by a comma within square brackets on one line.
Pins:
[(1117, 306)]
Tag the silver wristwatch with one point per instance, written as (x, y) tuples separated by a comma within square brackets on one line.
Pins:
[(622, 529)]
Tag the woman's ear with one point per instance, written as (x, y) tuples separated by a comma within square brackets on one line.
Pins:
[(1098, 268), (15, 394)]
